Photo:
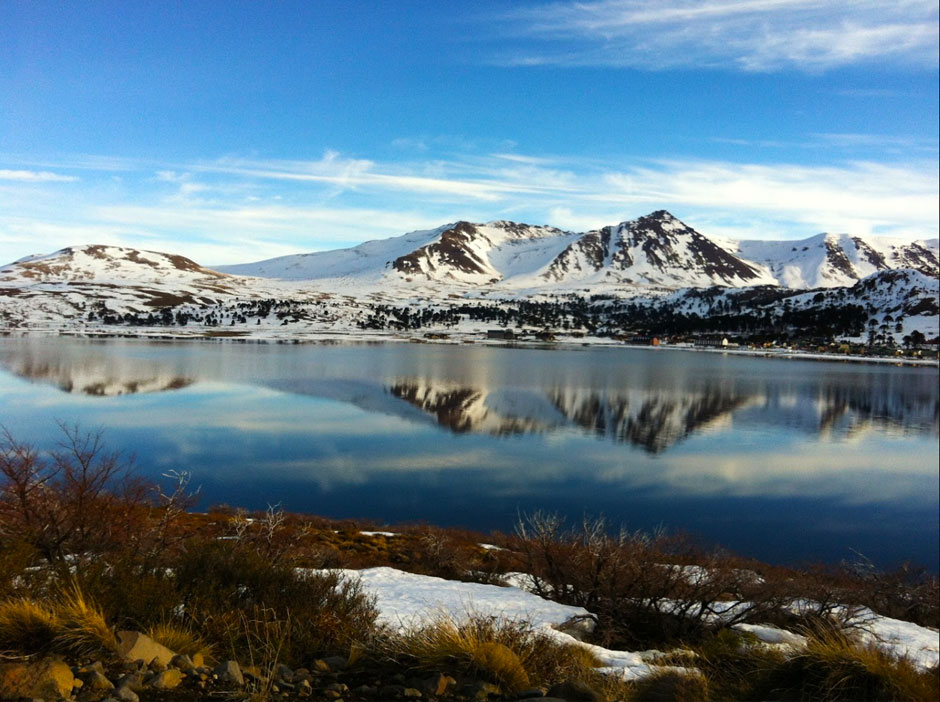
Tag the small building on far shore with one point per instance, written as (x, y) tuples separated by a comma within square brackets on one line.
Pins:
[(713, 342), (641, 340), (501, 334)]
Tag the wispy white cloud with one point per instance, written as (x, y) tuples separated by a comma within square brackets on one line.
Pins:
[(748, 35), (860, 197), (847, 143), (237, 210), (35, 176)]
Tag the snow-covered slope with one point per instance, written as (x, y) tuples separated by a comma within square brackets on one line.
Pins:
[(367, 261), (657, 250), (482, 253), (458, 253), (830, 260), (406, 601)]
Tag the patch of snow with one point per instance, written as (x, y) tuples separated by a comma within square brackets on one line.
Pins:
[(772, 635)]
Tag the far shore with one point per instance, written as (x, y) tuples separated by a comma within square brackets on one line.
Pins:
[(476, 337)]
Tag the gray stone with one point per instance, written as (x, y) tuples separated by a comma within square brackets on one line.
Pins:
[(229, 673), (183, 662), (125, 694), (132, 681), (97, 681), (335, 662)]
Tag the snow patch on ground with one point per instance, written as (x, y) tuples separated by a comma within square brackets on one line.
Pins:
[(408, 601)]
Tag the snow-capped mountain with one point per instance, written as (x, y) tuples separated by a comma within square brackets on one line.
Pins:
[(469, 276), (97, 263), (487, 253), (657, 250), (831, 260), (65, 283)]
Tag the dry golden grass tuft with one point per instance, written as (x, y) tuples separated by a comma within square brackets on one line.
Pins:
[(836, 667), (671, 686), (83, 628), (470, 647), (508, 653), (69, 624), (27, 626), (181, 639)]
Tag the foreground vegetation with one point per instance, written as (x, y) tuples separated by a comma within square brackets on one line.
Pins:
[(87, 550)]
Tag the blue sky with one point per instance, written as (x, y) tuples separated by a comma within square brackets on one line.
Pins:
[(232, 131)]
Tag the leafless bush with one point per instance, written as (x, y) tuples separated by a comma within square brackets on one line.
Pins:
[(80, 498), (644, 589), (60, 501), (908, 592)]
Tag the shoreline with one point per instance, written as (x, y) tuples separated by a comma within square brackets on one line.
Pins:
[(453, 339)]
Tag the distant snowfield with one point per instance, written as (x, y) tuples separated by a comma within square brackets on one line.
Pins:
[(408, 601)]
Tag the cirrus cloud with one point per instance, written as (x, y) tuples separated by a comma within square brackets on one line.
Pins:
[(238, 210), (24, 176), (747, 35)]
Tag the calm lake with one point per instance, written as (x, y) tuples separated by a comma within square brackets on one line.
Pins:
[(782, 459)]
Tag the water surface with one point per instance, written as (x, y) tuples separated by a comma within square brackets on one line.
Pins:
[(783, 459)]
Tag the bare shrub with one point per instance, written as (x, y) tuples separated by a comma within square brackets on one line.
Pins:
[(644, 589), (908, 592), (56, 501), (327, 613), (80, 499)]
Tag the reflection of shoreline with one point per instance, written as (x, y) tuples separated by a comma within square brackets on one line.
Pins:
[(171, 336)]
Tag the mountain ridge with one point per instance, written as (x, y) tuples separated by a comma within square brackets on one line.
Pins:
[(655, 250), (651, 275)]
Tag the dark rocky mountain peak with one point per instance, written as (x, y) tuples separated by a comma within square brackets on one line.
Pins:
[(452, 250)]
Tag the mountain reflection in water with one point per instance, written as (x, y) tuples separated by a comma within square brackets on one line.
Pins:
[(624, 403)]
